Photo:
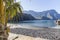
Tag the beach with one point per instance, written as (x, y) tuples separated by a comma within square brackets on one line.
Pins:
[(22, 33)]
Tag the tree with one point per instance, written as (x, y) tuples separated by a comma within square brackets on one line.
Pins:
[(8, 9)]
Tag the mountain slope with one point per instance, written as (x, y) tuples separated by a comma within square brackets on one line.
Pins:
[(51, 14), (24, 17)]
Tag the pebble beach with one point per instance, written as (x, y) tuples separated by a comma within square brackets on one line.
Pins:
[(19, 33)]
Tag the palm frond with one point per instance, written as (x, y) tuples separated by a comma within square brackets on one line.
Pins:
[(13, 9)]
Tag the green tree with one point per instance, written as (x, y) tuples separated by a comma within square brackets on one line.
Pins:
[(8, 9)]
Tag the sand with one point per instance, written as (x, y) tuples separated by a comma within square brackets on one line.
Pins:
[(23, 37)]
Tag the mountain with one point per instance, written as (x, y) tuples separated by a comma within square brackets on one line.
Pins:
[(27, 17), (24, 17), (58, 16), (47, 15)]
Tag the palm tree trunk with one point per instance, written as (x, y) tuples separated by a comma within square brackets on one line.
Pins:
[(3, 33)]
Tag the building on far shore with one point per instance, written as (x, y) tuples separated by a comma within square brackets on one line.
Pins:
[(58, 22)]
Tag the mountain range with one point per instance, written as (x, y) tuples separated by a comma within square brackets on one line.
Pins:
[(44, 15), (32, 15)]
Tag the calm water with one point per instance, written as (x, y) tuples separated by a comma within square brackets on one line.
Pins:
[(39, 23)]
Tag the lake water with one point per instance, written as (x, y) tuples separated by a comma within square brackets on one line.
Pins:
[(39, 23)]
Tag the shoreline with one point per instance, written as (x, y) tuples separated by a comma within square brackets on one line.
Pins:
[(29, 26)]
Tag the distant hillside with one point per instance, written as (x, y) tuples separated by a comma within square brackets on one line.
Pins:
[(47, 15), (25, 16)]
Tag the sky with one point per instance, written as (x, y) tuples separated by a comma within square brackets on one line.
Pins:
[(40, 5)]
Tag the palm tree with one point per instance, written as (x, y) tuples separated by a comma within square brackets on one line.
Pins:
[(8, 9)]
